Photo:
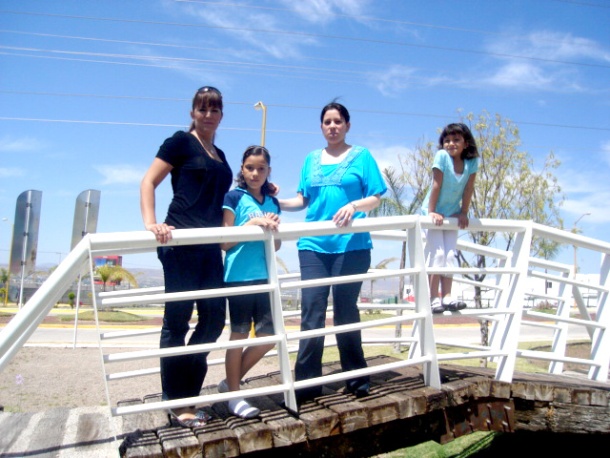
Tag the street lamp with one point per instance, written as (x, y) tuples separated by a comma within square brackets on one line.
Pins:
[(575, 231), (261, 106), (10, 253)]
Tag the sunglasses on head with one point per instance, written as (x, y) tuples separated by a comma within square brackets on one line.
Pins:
[(209, 89)]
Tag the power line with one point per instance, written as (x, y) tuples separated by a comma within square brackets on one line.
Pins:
[(270, 105), (312, 35)]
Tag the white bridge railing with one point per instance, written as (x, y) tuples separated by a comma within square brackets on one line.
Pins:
[(505, 286)]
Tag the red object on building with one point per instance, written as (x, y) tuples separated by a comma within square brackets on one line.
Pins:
[(112, 260)]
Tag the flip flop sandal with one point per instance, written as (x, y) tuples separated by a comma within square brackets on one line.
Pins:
[(199, 419)]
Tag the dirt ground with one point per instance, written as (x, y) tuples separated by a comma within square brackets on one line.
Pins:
[(39, 378)]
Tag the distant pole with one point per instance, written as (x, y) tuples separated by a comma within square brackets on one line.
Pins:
[(575, 231), (261, 106), (8, 275)]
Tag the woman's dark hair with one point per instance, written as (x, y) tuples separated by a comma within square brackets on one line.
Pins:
[(206, 97), (334, 105), (254, 150), (459, 128)]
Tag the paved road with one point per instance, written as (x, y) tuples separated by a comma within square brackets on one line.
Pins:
[(86, 335)]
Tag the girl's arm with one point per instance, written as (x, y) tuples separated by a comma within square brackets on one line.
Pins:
[(228, 220), (437, 182), (270, 221), (275, 217), (466, 199)]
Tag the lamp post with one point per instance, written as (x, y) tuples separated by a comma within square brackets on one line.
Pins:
[(10, 253), (575, 231), (261, 106)]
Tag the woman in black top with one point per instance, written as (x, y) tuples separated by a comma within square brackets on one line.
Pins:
[(200, 177)]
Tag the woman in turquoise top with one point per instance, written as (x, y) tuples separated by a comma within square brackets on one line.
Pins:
[(453, 176), (339, 183)]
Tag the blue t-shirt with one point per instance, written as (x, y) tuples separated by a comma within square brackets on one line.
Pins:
[(246, 261), (452, 189), (330, 187)]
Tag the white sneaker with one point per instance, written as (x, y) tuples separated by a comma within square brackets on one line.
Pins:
[(437, 305)]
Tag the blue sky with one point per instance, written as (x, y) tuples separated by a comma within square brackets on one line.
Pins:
[(89, 90)]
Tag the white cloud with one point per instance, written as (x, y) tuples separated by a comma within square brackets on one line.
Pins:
[(551, 46), (520, 74), (120, 174), (324, 11), (583, 195), (19, 145), (545, 66), (11, 172), (393, 80), (387, 156), (234, 21)]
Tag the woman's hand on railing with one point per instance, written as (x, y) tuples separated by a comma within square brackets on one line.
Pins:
[(163, 232), (344, 215)]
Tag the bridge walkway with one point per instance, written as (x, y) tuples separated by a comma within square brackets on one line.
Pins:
[(401, 411)]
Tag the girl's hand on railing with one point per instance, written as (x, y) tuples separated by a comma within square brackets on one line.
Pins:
[(273, 217), (266, 222), (437, 218), (462, 220)]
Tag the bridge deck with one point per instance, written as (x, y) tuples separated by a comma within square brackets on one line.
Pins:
[(400, 412)]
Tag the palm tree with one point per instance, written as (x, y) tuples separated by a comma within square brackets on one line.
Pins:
[(116, 274), (280, 262), (394, 202)]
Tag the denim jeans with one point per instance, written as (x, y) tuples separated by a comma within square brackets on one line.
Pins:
[(189, 268), (313, 315)]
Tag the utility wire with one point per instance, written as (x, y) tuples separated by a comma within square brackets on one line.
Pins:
[(311, 35)]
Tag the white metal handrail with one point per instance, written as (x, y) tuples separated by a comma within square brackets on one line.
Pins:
[(511, 271)]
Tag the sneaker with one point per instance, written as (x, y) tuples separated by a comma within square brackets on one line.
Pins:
[(454, 306), (241, 408), (437, 306), (223, 386)]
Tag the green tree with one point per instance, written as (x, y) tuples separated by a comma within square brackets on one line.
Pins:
[(71, 297), (116, 274), (395, 202), (4, 278)]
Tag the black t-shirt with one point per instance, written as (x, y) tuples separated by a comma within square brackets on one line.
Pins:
[(198, 181)]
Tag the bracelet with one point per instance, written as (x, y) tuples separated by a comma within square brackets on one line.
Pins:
[(354, 205)]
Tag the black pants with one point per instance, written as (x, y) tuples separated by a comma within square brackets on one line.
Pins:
[(313, 315), (189, 268)]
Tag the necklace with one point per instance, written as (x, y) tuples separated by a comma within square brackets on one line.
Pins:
[(208, 147)]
